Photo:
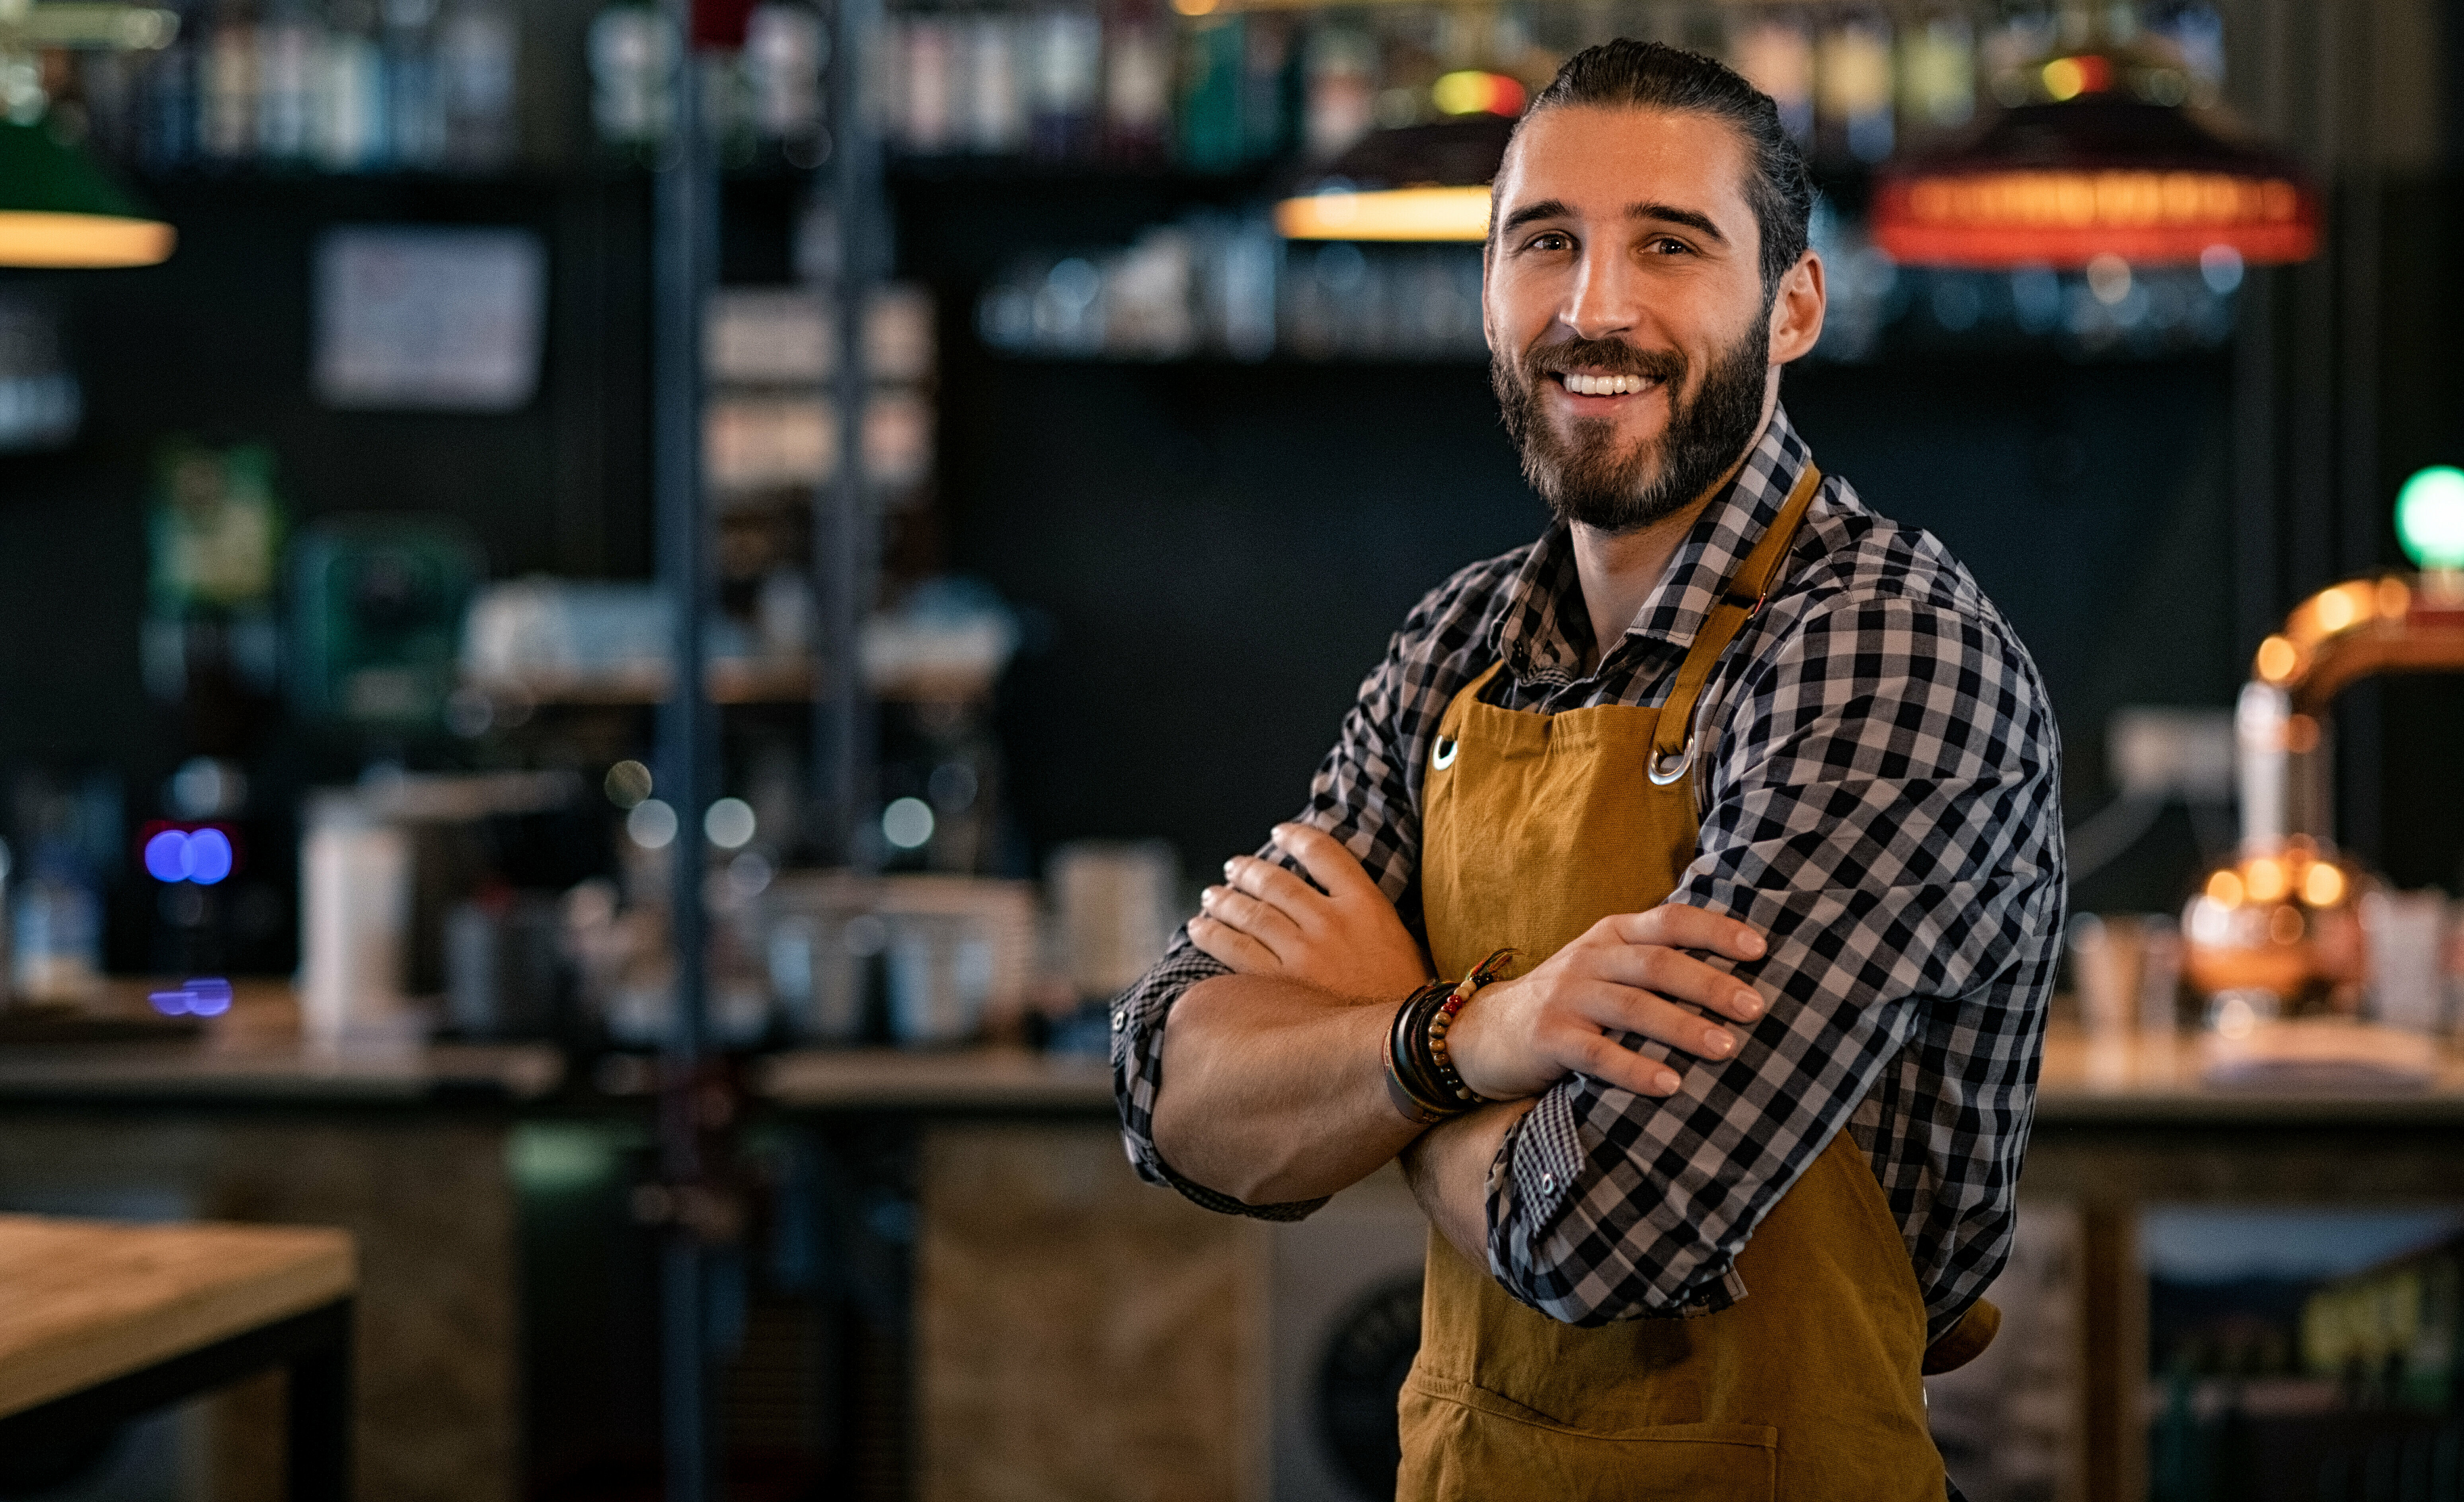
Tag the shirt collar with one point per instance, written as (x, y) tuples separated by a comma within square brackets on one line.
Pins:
[(1540, 631)]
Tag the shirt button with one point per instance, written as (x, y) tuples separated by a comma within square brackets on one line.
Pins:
[(1547, 1184), (1120, 1021)]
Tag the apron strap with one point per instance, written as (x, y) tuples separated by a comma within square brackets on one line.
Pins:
[(1741, 599)]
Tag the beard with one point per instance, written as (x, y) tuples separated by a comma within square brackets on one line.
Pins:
[(1583, 476)]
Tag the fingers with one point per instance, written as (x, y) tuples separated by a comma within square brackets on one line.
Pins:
[(1264, 922), (1621, 1009), (1233, 947), (1272, 885), (1604, 1059), (1680, 977), (1328, 861), (1682, 927)]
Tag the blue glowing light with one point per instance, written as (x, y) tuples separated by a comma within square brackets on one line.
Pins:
[(205, 996), (202, 857), (167, 855), (210, 856)]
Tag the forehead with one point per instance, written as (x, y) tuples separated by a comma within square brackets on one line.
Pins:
[(1597, 162)]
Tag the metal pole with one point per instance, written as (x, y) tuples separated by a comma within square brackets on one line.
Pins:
[(843, 529), (684, 261)]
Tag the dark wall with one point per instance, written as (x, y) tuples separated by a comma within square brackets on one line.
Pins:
[(1221, 552)]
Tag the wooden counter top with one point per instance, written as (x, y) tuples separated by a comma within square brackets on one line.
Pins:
[(85, 1301), (2134, 1080)]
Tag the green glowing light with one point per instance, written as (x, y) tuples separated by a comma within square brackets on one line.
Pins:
[(2430, 516)]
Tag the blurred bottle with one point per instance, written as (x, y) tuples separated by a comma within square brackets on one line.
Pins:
[(350, 110), (290, 43), (1137, 83), (784, 48), (1065, 88), (167, 109), (1853, 93), (1776, 56), (1214, 58), (1938, 73), (477, 46), (993, 92), (1342, 69), (927, 115), (227, 106), (632, 73), (414, 108), (1270, 87)]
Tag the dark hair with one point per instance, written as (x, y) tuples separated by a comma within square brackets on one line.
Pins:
[(1631, 75)]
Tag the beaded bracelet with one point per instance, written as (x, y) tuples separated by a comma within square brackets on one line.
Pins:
[(1443, 1020)]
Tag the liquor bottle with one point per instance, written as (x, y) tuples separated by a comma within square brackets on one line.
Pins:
[(350, 119), (166, 104), (633, 72), (1853, 92), (1137, 83), (477, 45), (994, 91), (1064, 93), (1214, 53), (227, 98), (1342, 67), (290, 45), (1776, 56), (415, 124), (1938, 73), (927, 115), (783, 50), (1270, 87)]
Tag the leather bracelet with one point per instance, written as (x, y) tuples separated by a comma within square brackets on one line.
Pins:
[(1411, 1078)]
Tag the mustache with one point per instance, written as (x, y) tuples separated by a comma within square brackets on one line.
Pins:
[(1604, 357)]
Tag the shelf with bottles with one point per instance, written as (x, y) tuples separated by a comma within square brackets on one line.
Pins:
[(1220, 86), (480, 89)]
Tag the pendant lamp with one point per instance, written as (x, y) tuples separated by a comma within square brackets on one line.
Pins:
[(2101, 157), (59, 209), (1412, 183)]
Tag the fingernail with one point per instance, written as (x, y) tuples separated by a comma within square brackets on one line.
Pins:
[(1753, 945), (1750, 1004), (1227, 870), (1664, 1082), (1718, 1045)]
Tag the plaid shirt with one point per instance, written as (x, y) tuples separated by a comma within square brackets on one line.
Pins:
[(1878, 788)]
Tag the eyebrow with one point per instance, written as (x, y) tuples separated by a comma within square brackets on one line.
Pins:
[(1666, 214)]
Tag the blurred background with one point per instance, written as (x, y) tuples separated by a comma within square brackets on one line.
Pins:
[(623, 621)]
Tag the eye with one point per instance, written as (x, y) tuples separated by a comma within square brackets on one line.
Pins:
[(1549, 240), (1668, 245)]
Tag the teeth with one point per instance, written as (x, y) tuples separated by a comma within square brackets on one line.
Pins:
[(1604, 386)]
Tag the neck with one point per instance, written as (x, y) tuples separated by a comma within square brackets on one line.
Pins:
[(1620, 569)]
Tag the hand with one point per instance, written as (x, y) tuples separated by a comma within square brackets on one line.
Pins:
[(1625, 975), (1347, 939)]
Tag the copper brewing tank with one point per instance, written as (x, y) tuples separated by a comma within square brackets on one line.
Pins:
[(2280, 920)]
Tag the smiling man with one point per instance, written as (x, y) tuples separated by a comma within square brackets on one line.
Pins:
[(1760, 792)]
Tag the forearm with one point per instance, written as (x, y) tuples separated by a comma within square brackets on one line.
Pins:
[(1448, 1171), (1275, 1092)]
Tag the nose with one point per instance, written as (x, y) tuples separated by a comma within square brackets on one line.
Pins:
[(1601, 302)]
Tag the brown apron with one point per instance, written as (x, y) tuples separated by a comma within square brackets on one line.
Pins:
[(1536, 827)]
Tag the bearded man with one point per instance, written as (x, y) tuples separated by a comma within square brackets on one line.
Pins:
[(1725, 817)]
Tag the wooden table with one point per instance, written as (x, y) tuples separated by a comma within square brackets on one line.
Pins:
[(100, 1322)]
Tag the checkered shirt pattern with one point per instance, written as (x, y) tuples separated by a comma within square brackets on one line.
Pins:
[(1878, 782)]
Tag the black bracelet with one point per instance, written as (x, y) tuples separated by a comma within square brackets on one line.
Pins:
[(1412, 1079)]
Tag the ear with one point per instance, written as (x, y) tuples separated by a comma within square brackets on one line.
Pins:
[(1797, 312)]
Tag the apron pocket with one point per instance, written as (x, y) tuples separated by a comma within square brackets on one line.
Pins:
[(1458, 1448)]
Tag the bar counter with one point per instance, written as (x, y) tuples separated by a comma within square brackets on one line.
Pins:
[(1069, 1324)]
